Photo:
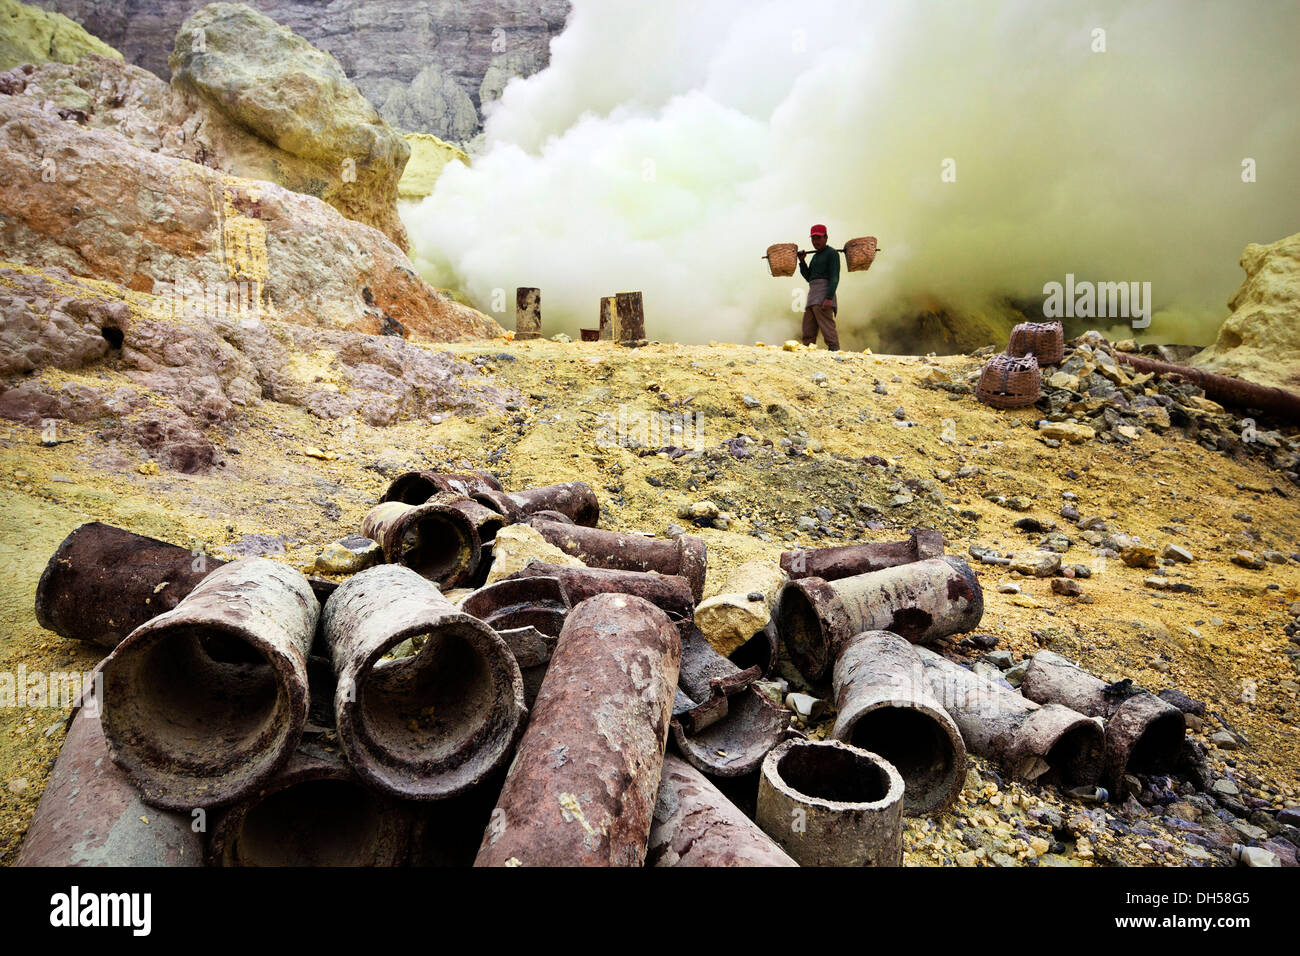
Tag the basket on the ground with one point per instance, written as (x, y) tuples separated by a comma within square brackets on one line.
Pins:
[(782, 258), (1044, 340), (1010, 381), (860, 253)]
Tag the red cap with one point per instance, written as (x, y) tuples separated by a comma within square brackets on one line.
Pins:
[(818, 230)]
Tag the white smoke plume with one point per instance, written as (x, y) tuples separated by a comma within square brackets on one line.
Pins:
[(669, 143)]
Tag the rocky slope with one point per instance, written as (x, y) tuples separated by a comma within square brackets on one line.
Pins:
[(796, 447), (429, 65)]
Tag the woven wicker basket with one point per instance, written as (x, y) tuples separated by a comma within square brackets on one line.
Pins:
[(781, 258), (1010, 381), (860, 253), (1045, 341)]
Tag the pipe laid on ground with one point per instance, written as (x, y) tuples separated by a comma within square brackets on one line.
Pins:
[(92, 815), (573, 499), (204, 703), (1224, 389), (685, 555), (831, 804), (1049, 743), (883, 706), (527, 613), (427, 726), (417, 487), (435, 540), (671, 593), (695, 825), (581, 790), (104, 582), (1143, 733), (314, 812), (831, 564), (920, 601)]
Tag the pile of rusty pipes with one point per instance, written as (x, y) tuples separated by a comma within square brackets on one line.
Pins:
[(273, 705)]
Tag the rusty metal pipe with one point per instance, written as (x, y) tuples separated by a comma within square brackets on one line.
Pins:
[(883, 706), (433, 539), (92, 815), (721, 724), (695, 825), (671, 593), (581, 790), (314, 812), (417, 487), (1144, 734), (104, 582), (685, 555), (528, 614), (428, 726), (831, 564), (831, 804), (1049, 743), (921, 602), (204, 703), (1224, 389), (573, 499)]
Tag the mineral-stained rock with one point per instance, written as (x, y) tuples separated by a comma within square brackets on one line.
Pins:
[(206, 367), (516, 545), (1066, 431), (429, 156), (30, 35), (102, 208), (383, 45), (259, 77), (1039, 564), (1260, 341)]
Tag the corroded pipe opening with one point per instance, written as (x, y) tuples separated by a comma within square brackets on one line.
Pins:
[(1144, 734), (831, 804), (1049, 743), (204, 703), (314, 813), (834, 775), (921, 602), (427, 726), (417, 487), (1157, 749), (917, 744), (434, 540), (883, 707), (1074, 753)]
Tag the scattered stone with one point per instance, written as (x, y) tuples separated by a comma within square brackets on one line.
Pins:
[(805, 705), (1225, 787), (1008, 587), (1064, 431), (1173, 552), (1139, 556), (1039, 564), (349, 555), (1067, 587), (1249, 560), (1254, 856), (1177, 698), (1224, 740)]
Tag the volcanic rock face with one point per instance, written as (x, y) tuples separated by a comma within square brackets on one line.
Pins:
[(161, 374), (1260, 341), (30, 35), (86, 201), (430, 65), (326, 139)]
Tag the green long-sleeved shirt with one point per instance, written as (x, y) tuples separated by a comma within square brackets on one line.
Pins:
[(824, 265)]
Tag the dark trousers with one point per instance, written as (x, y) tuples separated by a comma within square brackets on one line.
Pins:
[(821, 317)]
